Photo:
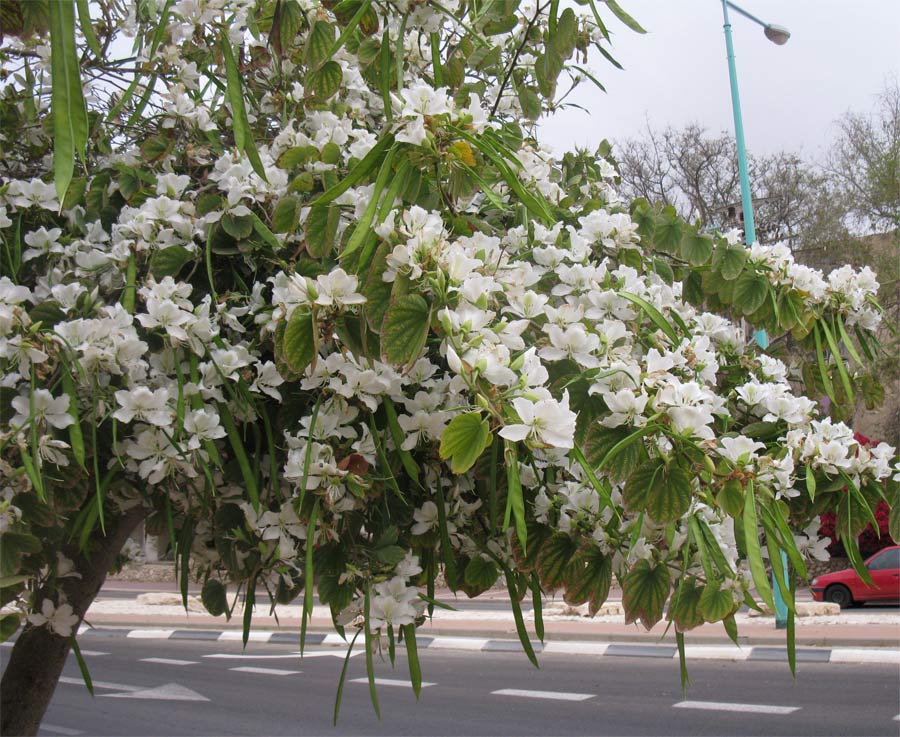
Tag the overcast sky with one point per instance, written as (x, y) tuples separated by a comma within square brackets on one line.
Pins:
[(839, 57)]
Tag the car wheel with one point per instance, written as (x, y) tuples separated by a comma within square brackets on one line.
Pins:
[(839, 595)]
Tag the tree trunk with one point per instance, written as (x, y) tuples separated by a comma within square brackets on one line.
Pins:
[(38, 657)]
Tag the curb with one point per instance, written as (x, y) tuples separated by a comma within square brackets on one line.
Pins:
[(567, 647)]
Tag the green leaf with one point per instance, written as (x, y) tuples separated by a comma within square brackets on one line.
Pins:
[(362, 231), (451, 573), (214, 597), (76, 437), (9, 625), (811, 483), (70, 121), (654, 314), (696, 247), (286, 215), (547, 68), (530, 103), (309, 574), (238, 227), (319, 42), (464, 439), (557, 565), (644, 592), (169, 261), (325, 81), (729, 261), (321, 229), (754, 552), (684, 606), (873, 392), (750, 292), (82, 666), (894, 520), (731, 497), (357, 173), (600, 442), (515, 499), (519, 620), (299, 347), (623, 16), (839, 362), (661, 488), (591, 579), (564, 37), (297, 156), (343, 677), (480, 575), (243, 135), (405, 329), (717, 603), (87, 28), (412, 657), (668, 231), (370, 664), (15, 545)]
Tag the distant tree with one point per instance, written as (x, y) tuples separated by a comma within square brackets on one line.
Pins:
[(865, 162), (697, 173)]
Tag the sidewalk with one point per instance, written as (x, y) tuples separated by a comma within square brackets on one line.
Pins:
[(861, 629)]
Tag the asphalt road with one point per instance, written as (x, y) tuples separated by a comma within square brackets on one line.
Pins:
[(185, 691)]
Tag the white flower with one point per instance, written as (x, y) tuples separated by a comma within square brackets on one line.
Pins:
[(53, 411), (204, 424), (426, 518), (549, 421), (143, 404), (337, 289), (388, 610), (740, 450), (59, 619)]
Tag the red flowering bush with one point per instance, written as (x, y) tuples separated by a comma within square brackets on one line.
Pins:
[(870, 540)]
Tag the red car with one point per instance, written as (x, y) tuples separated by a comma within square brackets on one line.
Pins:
[(846, 588)]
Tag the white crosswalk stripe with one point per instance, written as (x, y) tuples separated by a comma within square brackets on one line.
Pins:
[(554, 695), (168, 661), (266, 671), (391, 682), (726, 706)]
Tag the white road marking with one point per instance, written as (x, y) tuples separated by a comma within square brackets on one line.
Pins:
[(53, 729), (864, 655), (897, 718), (100, 684), (229, 656), (229, 635), (150, 634), (294, 655), (391, 682), (92, 653), (725, 706), (554, 695), (329, 654), (715, 652), (266, 671), (334, 639), (570, 647), (168, 661), (458, 643), (168, 692)]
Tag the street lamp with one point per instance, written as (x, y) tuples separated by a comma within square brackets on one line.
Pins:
[(778, 35)]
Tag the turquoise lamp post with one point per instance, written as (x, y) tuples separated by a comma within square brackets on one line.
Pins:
[(777, 35)]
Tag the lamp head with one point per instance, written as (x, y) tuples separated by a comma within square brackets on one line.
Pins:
[(777, 34)]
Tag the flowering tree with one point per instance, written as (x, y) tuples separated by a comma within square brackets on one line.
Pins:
[(295, 283)]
